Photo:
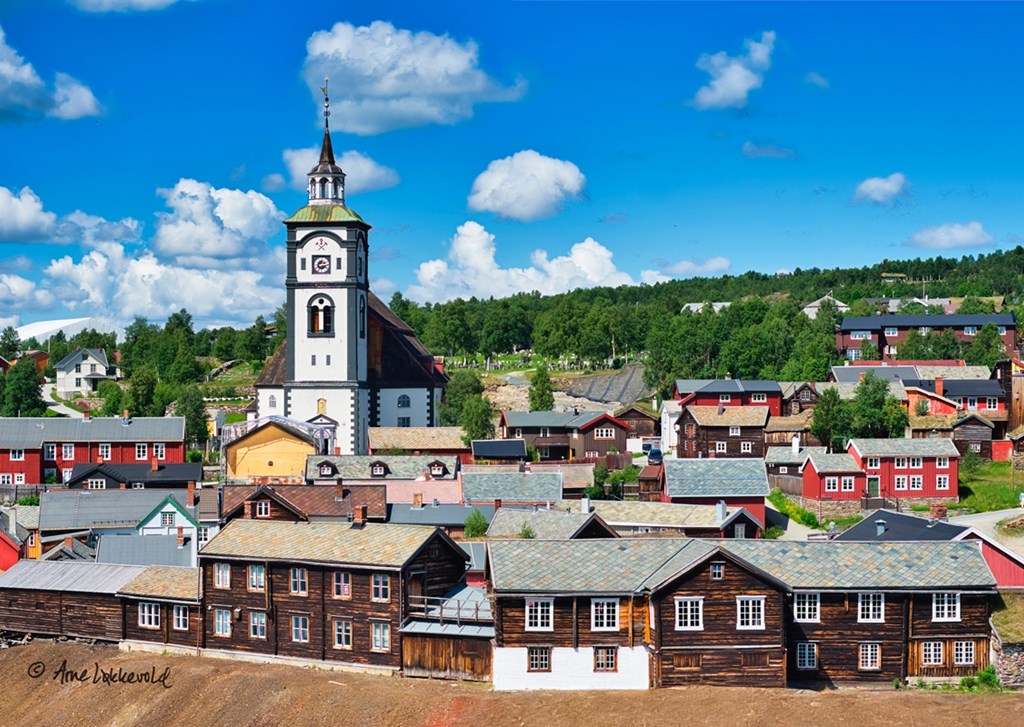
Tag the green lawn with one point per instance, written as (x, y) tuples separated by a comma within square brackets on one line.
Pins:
[(991, 488), (1008, 617)]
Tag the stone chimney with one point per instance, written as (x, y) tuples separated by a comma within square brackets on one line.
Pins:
[(939, 386), (339, 491), (863, 375), (359, 515), (181, 536), (417, 500), (938, 511), (585, 505), (191, 501)]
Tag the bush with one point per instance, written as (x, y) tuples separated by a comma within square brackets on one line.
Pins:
[(773, 532), (193, 455), (988, 679), (968, 683), (28, 500), (527, 533), (476, 524)]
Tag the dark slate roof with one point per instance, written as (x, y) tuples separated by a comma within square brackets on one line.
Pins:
[(398, 466), (899, 526), (960, 387), (84, 509), (97, 353), (688, 386), (511, 486), (739, 386), (499, 448), (143, 550), (546, 524), (554, 419), (31, 432), (852, 374), (877, 323), (440, 515), (716, 477), (169, 473), (75, 576)]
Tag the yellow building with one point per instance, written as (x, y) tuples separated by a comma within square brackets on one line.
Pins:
[(269, 449)]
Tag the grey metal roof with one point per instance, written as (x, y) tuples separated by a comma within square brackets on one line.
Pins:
[(433, 628), (77, 576), (399, 466), (785, 455), (716, 477), (827, 463), (498, 448), (899, 526), (740, 386), (877, 323), (83, 509), (143, 550), (869, 566), (556, 419), (852, 374), (688, 386), (440, 514), (508, 522), (512, 486), (930, 447), (477, 552), (32, 432)]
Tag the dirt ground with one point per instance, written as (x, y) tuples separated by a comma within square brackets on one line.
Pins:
[(517, 398), (208, 691)]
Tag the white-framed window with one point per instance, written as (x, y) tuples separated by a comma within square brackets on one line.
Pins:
[(258, 624), (717, 571), (720, 447), (806, 655), (991, 403), (604, 614), (203, 536), (941, 482), (19, 478), (1002, 330), (847, 483), (860, 335), (538, 658), (972, 403), (50, 452), (6, 478), (724, 398), (96, 483), (690, 614), (734, 431), (104, 451), (380, 636), (149, 615), (159, 450), (874, 463), (854, 354), (924, 330), (67, 451), (604, 433), (871, 608), (970, 330), (831, 484), (942, 463), (381, 587), (181, 618), (166, 519), (17, 455), (519, 433), (66, 474), (342, 584), (915, 463), (222, 622), (900, 463), (746, 447), (222, 575), (931, 653), (591, 454), (342, 634), (377, 470), (750, 613), (540, 614), (298, 581), (300, 629), (976, 447), (916, 482), (900, 482), (963, 653), (891, 332), (263, 508), (870, 657), (759, 398), (783, 470), (138, 485), (807, 607), (739, 531), (257, 578), (141, 450), (545, 432), (945, 606), (606, 658)]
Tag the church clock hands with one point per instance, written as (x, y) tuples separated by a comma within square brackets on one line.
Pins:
[(321, 264)]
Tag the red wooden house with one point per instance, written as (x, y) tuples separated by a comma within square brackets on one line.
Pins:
[(901, 468), (729, 392), (832, 477)]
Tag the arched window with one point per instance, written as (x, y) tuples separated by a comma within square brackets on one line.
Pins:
[(272, 402), (321, 316), (403, 401)]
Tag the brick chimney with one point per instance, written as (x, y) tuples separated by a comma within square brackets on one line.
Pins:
[(939, 387), (339, 491), (154, 465), (863, 375), (122, 486), (69, 542), (181, 536), (497, 504), (191, 501), (417, 500), (359, 515), (938, 511)]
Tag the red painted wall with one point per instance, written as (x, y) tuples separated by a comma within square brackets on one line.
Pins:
[(1001, 449), (9, 552), (814, 484), (34, 465), (887, 472), (1008, 572), (754, 505)]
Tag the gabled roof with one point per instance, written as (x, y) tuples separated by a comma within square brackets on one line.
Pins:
[(961, 387), (84, 509), (572, 419), (716, 478), (974, 416), (853, 374), (633, 513), (933, 421), (795, 423), (31, 432), (167, 473), (512, 486), (396, 466), (143, 550), (77, 550), (75, 356), (832, 463), (898, 527), (440, 515), (172, 584), (175, 504), (75, 576), (740, 386), (877, 323), (309, 501), (499, 448), (785, 455), (546, 524), (928, 447), (848, 390), (729, 416), (370, 544)]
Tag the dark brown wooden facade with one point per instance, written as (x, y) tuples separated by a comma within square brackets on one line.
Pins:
[(446, 657), (697, 441), (168, 631), (57, 613), (571, 623), (972, 433)]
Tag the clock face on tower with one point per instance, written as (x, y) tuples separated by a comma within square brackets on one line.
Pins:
[(321, 264)]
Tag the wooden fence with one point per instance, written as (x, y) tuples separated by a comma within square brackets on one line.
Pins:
[(787, 483), (13, 493)]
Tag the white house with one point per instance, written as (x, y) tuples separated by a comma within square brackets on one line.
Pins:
[(82, 370)]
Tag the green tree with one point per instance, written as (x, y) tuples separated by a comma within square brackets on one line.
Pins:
[(972, 305), (476, 524), (22, 393), (876, 412), (10, 343), (869, 351), (542, 393), (190, 406), (970, 465), (463, 384), (987, 348), (832, 420), (477, 419), (526, 532), (142, 393), (185, 369)]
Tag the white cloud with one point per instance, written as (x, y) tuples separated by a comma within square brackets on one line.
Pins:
[(471, 269), (19, 293), (767, 151), (950, 236), (22, 218), (382, 287), (385, 78), (273, 183), (108, 6), (696, 268), (734, 77), (816, 79), (23, 95), (882, 190), (526, 186), (210, 227), (362, 174)]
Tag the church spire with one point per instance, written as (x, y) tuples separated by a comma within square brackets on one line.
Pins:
[(326, 179)]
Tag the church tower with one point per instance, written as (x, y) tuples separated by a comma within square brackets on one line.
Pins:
[(326, 373)]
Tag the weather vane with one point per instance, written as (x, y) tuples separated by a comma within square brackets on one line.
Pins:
[(327, 102)]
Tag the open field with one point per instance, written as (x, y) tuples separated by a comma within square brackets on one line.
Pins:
[(221, 692)]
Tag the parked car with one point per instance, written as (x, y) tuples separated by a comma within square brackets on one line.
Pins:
[(654, 456)]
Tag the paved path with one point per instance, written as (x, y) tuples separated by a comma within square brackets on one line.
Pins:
[(51, 402)]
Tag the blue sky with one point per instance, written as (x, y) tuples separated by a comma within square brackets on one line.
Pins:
[(150, 148)]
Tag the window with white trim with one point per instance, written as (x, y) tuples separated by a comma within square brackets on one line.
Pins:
[(746, 447), (381, 587), (759, 398), (690, 614), (724, 398), (257, 578), (945, 606), (870, 657), (342, 634), (298, 581), (263, 508), (963, 653), (750, 613), (717, 571), (915, 463), (149, 615), (783, 470), (970, 330), (860, 335), (976, 447), (991, 403), (222, 622), (141, 451), (6, 478), (831, 484), (900, 482), (734, 431), (931, 653), (96, 483), (257, 624), (847, 483), (181, 618), (941, 463), (19, 478), (874, 463), (604, 614), (380, 636), (539, 614), (167, 519), (604, 433), (900, 463), (67, 451), (807, 607), (871, 607), (203, 535), (720, 447), (105, 451), (300, 629), (49, 452), (17, 455), (606, 658), (916, 482), (222, 575), (891, 332), (159, 450), (806, 655), (342, 584), (941, 482)]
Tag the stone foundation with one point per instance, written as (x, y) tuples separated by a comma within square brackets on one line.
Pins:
[(1009, 661)]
